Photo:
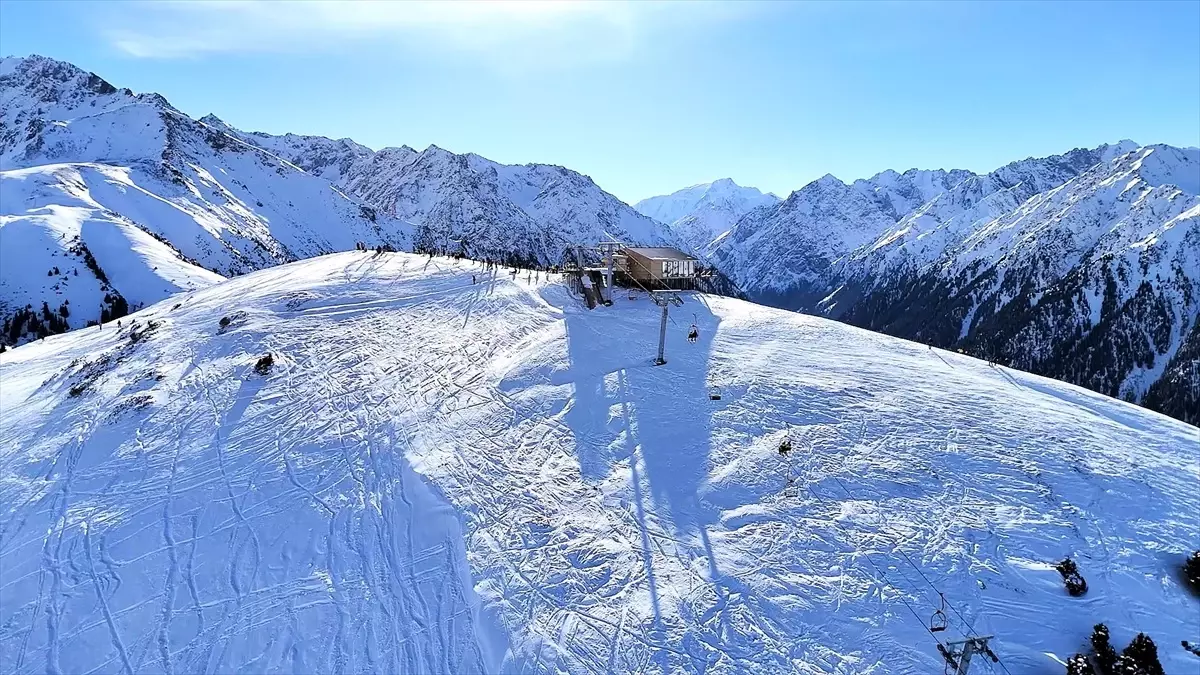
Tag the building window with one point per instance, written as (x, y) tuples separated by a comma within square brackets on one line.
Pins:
[(678, 268)]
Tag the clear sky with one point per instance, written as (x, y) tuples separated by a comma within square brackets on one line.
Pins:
[(648, 98)]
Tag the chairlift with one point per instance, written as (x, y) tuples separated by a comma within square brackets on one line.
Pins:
[(694, 331), (791, 488), (785, 446), (632, 294), (938, 623), (714, 394)]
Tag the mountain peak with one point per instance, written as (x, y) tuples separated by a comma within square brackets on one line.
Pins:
[(214, 121), (828, 181)]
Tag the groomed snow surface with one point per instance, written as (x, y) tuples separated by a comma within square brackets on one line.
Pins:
[(440, 476)]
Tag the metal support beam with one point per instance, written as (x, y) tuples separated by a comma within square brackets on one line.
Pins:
[(609, 250), (958, 654), (662, 336)]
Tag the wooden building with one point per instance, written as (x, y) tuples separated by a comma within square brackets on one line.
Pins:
[(657, 265)]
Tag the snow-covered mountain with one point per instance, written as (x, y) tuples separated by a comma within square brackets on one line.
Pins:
[(76, 147), (67, 260), (530, 212), (434, 475), (1082, 266), (85, 166), (699, 216)]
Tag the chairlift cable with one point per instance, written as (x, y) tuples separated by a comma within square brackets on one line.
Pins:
[(970, 627)]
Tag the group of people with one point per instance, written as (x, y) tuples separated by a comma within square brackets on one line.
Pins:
[(379, 250)]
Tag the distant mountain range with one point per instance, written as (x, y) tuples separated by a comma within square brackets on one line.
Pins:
[(701, 215), (530, 212), (1083, 266), (113, 199)]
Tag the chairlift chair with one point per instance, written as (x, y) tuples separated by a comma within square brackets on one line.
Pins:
[(714, 394), (938, 623), (785, 446)]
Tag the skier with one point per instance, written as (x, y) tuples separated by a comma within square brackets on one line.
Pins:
[(693, 334), (472, 279)]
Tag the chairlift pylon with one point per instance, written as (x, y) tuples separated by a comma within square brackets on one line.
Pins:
[(791, 488)]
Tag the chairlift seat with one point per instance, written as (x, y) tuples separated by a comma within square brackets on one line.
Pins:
[(937, 622)]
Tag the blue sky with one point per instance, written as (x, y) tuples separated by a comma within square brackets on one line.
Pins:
[(648, 98)]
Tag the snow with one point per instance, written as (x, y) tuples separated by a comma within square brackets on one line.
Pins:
[(441, 476), (702, 215), (46, 212), (163, 198)]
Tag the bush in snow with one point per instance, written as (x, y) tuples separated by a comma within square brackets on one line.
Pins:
[(1106, 656), (264, 364), (1143, 655), (1191, 571), (1076, 585), (1079, 665)]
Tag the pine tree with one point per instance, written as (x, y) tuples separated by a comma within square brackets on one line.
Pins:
[(1079, 665), (1125, 665), (1144, 654), (1076, 585), (1106, 656), (1191, 571)]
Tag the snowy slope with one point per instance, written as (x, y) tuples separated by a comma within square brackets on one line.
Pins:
[(928, 230), (900, 193), (1096, 281), (439, 476), (1079, 266), (71, 141), (797, 245), (700, 215), (51, 225)]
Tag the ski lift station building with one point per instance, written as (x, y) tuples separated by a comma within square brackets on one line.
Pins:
[(658, 264)]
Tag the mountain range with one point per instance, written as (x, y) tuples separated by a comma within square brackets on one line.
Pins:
[(1081, 266), (701, 215), (114, 200)]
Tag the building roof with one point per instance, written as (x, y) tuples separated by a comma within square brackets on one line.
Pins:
[(659, 253)]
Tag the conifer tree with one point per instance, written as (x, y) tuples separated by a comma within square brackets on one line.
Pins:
[(1144, 655), (1079, 665), (1106, 656)]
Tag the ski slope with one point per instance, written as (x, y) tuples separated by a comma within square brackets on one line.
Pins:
[(440, 476)]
